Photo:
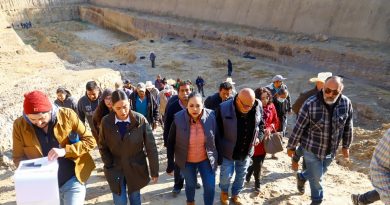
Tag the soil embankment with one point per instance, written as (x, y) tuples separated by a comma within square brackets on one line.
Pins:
[(364, 19)]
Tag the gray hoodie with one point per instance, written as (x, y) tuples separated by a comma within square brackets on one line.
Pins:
[(86, 109)]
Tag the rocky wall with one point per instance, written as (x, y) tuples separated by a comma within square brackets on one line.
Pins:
[(40, 11), (139, 26), (364, 19)]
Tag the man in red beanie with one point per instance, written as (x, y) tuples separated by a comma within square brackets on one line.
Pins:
[(44, 130)]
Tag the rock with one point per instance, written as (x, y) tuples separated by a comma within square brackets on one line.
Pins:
[(321, 37)]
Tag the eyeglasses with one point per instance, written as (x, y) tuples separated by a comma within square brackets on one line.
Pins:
[(244, 105), (334, 92)]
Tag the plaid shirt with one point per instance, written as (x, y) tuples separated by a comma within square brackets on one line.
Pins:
[(313, 126), (380, 168)]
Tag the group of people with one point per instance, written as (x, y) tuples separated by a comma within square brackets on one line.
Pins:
[(24, 25), (226, 131)]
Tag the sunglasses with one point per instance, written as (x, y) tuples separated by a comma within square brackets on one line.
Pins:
[(334, 92)]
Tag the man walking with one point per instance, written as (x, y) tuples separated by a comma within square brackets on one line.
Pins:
[(200, 83), (88, 104), (225, 93), (324, 120), (241, 126), (176, 106), (43, 131), (152, 58)]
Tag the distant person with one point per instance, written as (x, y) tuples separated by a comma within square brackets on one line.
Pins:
[(104, 108), (125, 141), (271, 125), (230, 67), (88, 104), (276, 85), (241, 127), (65, 99), (120, 86), (323, 122), (379, 174), (43, 131), (167, 93), (200, 83), (282, 108), (152, 58), (319, 84), (127, 84), (195, 150), (153, 90), (159, 83), (176, 106), (176, 86), (143, 102), (224, 93)]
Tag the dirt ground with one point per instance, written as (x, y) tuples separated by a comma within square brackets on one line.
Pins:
[(85, 47)]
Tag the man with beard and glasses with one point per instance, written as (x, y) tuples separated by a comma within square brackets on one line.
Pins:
[(324, 120)]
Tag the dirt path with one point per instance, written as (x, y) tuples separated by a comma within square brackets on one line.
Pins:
[(23, 69)]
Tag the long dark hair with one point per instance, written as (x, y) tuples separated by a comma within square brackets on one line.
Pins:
[(101, 111), (260, 91), (118, 95)]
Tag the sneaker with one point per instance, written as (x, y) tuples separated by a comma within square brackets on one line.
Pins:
[(300, 184), (175, 191), (355, 199), (224, 198), (236, 200), (315, 203)]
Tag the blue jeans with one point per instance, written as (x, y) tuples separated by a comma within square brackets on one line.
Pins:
[(208, 179), (227, 169), (134, 197), (72, 192), (315, 170)]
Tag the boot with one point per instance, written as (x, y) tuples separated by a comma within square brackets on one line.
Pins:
[(191, 203), (224, 198), (236, 200)]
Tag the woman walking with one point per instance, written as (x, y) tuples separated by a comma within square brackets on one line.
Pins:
[(103, 109), (193, 146), (271, 123), (123, 137)]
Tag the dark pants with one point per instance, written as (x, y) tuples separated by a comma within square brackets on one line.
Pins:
[(230, 72), (369, 197), (255, 169), (179, 179), (200, 90), (152, 63)]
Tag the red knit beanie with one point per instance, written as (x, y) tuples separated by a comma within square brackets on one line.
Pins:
[(36, 102)]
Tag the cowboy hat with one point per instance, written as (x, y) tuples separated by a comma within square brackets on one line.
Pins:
[(149, 84), (230, 80), (321, 77)]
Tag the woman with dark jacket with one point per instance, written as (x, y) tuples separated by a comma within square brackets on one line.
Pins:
[(193, 146), (123, 137), (271, 123), (103, 109), (65, 99)]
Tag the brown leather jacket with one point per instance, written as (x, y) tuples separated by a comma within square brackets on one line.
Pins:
[(26, 144), (126, 157)]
